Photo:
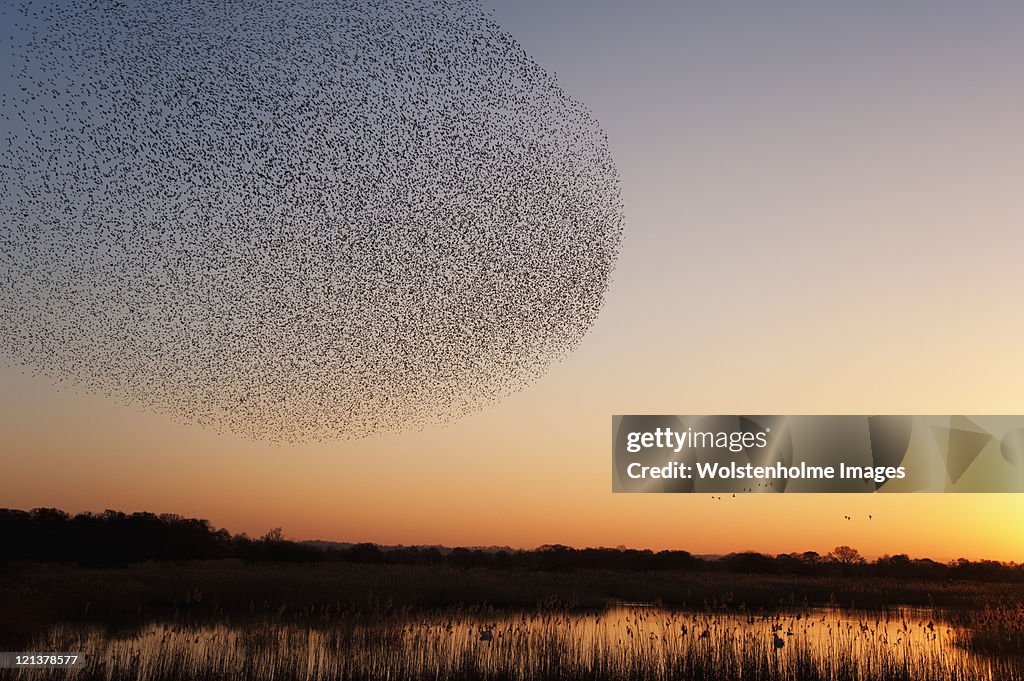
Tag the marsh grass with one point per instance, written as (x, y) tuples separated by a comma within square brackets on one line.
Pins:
[(35, 596), (995, 628), (228, 620), (618, 643)]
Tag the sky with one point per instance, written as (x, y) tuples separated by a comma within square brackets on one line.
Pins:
[(822, 217)]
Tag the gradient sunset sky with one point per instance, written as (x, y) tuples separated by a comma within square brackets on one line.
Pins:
[(824, 211)]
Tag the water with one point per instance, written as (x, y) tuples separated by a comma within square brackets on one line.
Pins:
[(624, 641)]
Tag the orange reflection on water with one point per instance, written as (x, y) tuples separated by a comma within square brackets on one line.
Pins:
[(624, 641)]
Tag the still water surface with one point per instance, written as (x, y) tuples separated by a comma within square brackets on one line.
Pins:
[(624, 641)]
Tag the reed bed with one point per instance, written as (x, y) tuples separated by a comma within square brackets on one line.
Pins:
[(618, 643), (995, 628), (37, 596)]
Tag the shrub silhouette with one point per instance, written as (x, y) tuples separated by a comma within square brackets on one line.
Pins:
[(115, 538)]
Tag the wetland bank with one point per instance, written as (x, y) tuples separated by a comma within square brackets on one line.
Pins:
[(226, 619)]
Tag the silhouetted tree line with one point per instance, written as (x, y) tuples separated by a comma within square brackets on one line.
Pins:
[(48, 534), (114, 538)]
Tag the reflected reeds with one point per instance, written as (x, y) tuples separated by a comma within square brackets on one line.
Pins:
[(621, 642)]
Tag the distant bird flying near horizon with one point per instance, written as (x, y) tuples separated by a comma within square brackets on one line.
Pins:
[(296, 220)]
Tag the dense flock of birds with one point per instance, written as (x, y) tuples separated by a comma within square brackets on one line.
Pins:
[(296, 219)]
